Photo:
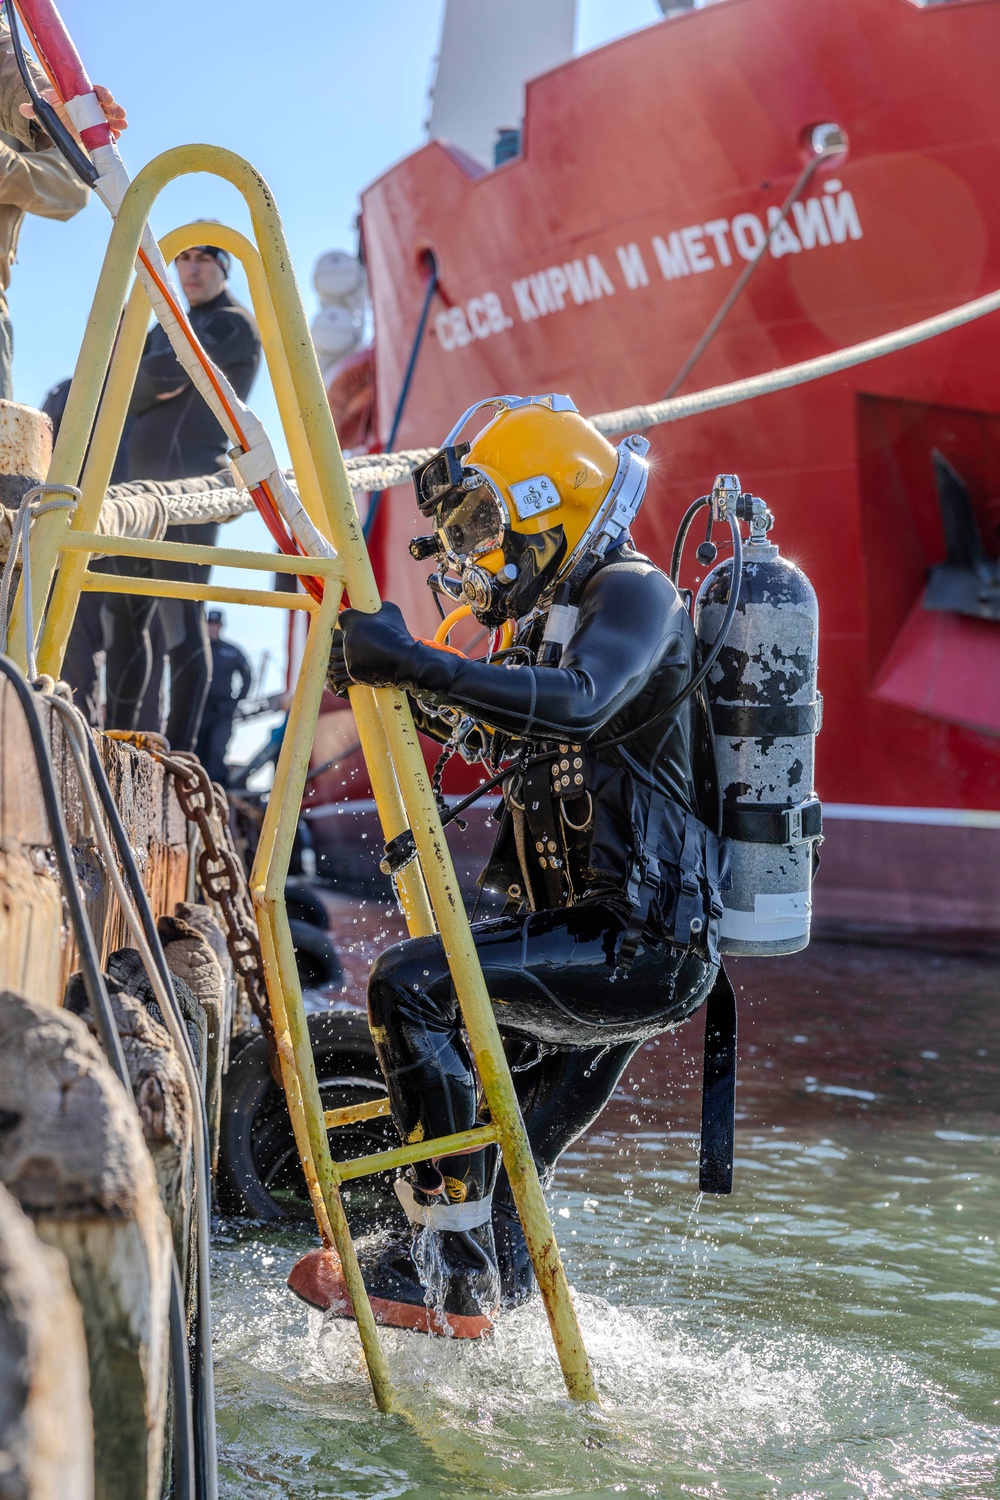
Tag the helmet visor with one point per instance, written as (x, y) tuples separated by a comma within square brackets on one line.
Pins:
[(471, 522)]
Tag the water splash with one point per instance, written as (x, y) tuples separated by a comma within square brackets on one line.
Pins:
[(431, 1267), (799, 1340)]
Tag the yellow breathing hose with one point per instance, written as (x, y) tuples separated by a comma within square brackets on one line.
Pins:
[(462, 613)]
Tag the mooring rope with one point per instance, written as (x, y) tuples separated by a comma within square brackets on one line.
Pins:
[(383, 468), (146, 507)]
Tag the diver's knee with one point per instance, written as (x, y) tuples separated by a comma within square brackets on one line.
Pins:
[(385, 980), (402, 976), (697, 979)]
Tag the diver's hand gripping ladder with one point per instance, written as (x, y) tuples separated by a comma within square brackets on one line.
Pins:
[(429, 893)]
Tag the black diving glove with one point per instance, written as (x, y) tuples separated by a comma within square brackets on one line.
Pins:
[(338, 678), (375, 649)]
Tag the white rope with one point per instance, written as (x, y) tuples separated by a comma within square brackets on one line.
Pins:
[(146, 508), (641, 417), (20, 545), (380, 471)]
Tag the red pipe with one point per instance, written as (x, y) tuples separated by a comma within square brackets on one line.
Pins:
[(57, 53), (54, 43)]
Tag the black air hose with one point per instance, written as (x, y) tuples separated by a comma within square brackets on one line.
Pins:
[(100, 1004), (90, 964), (203, 1326), (404, 390), (47, 116), (713, 653), (402, 849)]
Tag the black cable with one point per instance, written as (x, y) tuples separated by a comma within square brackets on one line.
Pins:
[(708, 663), (185, 1449), (671, 708), (713, 756), (494, 781), (203, 1352), (131, 871), (682, 533), (375, 502), (100, 1004), (184, 1487), (90, 964), (47, 116)]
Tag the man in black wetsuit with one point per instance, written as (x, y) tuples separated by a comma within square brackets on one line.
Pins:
[(231, 681), (612, 875), (175, 436)]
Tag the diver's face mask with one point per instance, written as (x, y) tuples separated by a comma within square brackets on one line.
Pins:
[(472, 521), (481, 561)]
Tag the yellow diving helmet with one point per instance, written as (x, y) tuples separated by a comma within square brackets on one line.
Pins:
[(536, 495)]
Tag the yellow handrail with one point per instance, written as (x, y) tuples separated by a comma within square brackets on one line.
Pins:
[(429, 890)]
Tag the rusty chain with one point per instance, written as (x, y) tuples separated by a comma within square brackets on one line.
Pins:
[(220, 873)]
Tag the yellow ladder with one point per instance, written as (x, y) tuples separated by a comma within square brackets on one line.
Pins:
[(429, 893)]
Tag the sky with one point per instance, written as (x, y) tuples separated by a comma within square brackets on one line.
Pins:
[(320, 96)]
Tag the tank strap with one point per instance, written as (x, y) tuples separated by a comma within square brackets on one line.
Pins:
[(782, 721), (689, 921), (715, 857), (718, 1097), (773, 822)]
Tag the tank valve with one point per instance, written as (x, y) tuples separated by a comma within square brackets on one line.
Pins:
[(752, 508)]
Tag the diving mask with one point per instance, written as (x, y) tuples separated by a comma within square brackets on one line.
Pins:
[(472, 520)]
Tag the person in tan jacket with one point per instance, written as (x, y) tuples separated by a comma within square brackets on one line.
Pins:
[(34, 177)]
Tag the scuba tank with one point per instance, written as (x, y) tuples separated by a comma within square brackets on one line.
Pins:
[(765, 714)]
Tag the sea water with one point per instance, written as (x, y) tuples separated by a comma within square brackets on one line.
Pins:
[(830, 1330)]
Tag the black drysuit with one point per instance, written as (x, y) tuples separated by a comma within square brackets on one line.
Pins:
[(570, 1005), (174, 436)]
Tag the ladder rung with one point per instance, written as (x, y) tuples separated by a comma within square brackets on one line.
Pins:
[(168, 588), (351, 1112), (230, 557), (405, 1156)]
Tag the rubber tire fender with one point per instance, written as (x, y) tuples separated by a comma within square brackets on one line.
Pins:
[(303, 904), (316, 956), (256, 1140)]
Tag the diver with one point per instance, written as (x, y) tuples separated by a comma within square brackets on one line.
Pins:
[(604, 850)]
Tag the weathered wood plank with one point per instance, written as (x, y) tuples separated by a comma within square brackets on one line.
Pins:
[(33, 959), (46, 1432), (161, 1097), (73, 1156), (189, 955)]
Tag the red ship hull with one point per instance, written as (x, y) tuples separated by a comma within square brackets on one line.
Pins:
[(592, 264)]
